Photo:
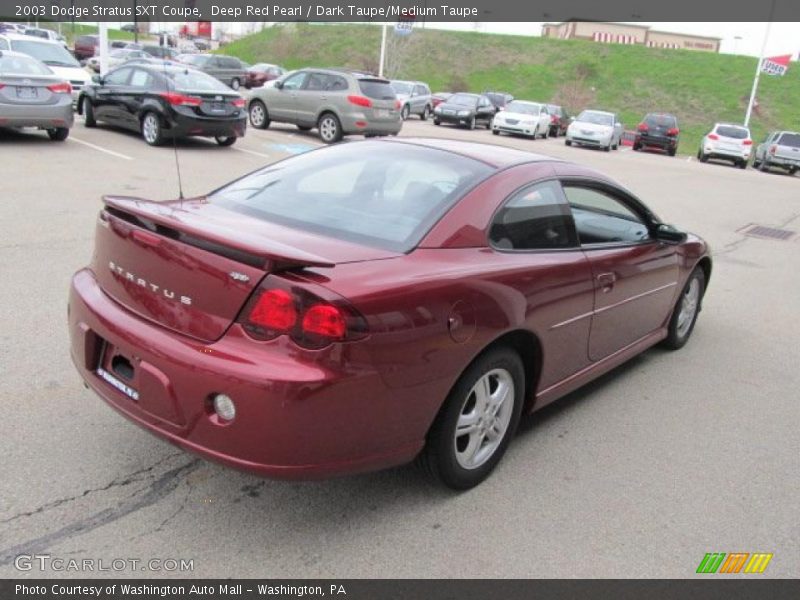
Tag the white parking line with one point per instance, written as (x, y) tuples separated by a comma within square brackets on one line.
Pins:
[(253, 152), (100, 149)]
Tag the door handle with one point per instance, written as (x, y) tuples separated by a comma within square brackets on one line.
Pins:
[(606, 281)]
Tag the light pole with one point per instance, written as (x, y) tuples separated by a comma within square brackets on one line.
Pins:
[(736, 39)]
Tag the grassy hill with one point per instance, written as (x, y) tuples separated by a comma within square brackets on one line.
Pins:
[(698, 87)]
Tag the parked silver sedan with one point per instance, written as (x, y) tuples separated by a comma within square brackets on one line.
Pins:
[(596, 128), (31, 95)]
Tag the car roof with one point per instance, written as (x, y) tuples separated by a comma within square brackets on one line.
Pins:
[(491, 154), (15, 54), (30, 38), (601, 112)]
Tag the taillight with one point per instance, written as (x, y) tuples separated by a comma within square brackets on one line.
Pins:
[(2, 85), (176, 99), (238, 102), (398, 104), (554, 119), (673, 131), (360, 101), (713, 136), (312, 321), (60, 88), (747, 142), (773, 149), (642, 127)]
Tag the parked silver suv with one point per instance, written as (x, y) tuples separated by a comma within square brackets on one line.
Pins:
[(335, 101), (415, 99), (781, 149)]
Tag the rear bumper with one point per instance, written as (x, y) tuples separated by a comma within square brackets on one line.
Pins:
[(665, 143), (45, 116), (453, 119), (185, 126), (724, 153), (786, 163), (355, 125), (297, 417)]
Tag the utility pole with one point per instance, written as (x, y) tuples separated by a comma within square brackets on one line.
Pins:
[(383, 50), (760, 62), (103, 48)]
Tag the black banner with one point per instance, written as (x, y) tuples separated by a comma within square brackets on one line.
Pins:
[(387, 589), (393, 10)]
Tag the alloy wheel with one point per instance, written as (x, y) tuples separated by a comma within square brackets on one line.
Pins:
[(150, 128), (484, 418), (328, 129), (688, 310)]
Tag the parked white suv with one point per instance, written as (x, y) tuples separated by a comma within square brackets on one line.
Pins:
[(595, 128), (727, 141)]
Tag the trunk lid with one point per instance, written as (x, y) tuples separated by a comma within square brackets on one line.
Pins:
[(190, 266)]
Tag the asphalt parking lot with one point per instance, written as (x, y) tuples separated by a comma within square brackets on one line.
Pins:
[(638, 475)]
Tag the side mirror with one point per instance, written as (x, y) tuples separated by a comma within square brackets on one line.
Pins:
[(571, 119), (97, 79), (279, 85), (669, 234)]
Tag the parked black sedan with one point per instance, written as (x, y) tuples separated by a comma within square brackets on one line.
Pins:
[(164, 102), (469, 110)]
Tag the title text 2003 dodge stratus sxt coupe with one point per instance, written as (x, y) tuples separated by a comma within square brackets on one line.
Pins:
[(359, 306)]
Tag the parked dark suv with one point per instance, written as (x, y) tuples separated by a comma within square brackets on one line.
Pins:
[(86, 46), (658, 130)]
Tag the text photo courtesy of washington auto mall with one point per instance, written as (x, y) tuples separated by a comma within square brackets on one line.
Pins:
[(399, 300)]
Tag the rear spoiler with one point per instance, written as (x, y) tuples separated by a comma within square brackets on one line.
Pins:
[(185, 226)]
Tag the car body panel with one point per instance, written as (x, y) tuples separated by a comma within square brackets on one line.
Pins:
[(779, 149)]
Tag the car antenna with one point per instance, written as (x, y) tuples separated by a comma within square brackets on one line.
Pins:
[(174, 140)]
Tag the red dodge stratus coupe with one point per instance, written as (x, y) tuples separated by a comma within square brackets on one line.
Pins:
[(359, 306)]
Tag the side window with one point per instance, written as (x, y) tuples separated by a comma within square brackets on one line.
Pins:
[(419, 90), (600, 218), (3, 45), (295, 82), (535, 218), (316, 82), (118, 77), (141, 79), (337, 84)]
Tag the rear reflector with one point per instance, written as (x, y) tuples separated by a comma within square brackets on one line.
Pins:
[(360, 101), (176, 99), (60, 88), (361, 123)]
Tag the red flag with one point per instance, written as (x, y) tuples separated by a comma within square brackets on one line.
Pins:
[(776, 65)]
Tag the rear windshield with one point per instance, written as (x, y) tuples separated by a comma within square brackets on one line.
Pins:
[(22, 65), (463, 100), (401, 87), (53, 55), (596, 118), (553, 109), (499, 99), (87, 40), (524, 108), (196, 81), (377, 89), (790, 139), (661, 121), (738, 133), (379, 194)]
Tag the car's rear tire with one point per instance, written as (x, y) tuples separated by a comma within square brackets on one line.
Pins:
[(259, 116), (330, 129), (672, 151), (59, 134), (742, 164), (607, 148), (152, 129), (684, 315), (792, 170), (554, 132), (471, 123), (477, 421), (436, 121), (495, 132), (226, 141), (235, 83), (701, 156), (568, 142), (425, 113), (637, 147), (88, 113), (756, 164), (405, 112)]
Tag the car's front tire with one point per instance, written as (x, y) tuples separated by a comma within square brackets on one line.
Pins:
[(259, 116), (436, 121), (235, 83), (471, 123), (568, 142), (226, 140), (477, 421), (684, 315), (88, 113)]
